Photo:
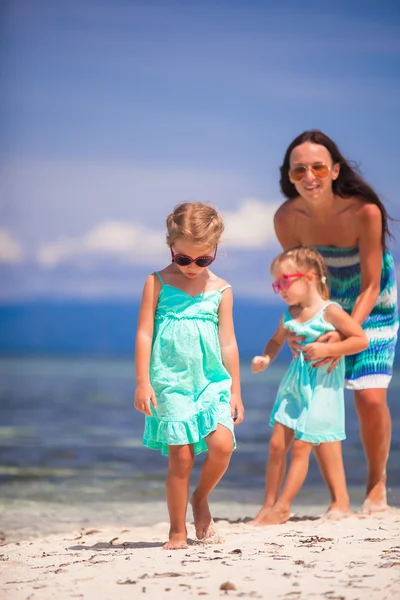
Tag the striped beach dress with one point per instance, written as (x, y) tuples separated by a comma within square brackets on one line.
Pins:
[(372, 368)]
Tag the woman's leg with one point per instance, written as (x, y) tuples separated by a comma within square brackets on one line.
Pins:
[(330, 461), (220, 448), (298, 469), (279, 445), (375, 433), (180, 466)]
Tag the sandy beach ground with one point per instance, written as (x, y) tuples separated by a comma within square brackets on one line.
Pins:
[(356, 558)]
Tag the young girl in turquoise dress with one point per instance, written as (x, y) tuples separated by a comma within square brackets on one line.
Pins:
[(187, 367), (309, 408)]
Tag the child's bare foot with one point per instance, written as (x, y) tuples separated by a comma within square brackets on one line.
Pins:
[(275, 516), (261, 515), (203, 522), (376, 500), (338, 510), (177, 541)]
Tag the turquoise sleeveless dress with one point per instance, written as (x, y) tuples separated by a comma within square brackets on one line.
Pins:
[(310, 400), (372, 368), (191, 384)]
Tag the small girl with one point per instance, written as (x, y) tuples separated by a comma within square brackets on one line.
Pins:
[(187, 367), (309, 407)]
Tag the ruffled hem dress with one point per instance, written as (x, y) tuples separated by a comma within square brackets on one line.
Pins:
[(310, 400), (190, 382), (372, 368)]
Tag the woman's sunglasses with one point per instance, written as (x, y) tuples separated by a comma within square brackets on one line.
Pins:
[(182, 260), (320, 170), (284, 282)]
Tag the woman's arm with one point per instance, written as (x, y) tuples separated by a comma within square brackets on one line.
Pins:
[(355, 339), (230, 352), (370, 248), (144, 394), (272, 349)]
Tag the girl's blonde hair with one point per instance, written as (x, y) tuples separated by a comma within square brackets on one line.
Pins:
[(308, 258), (195, 222)]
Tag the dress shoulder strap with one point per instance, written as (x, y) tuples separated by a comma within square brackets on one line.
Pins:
[(159, 277), (329, 303), (225, 288), (287, 316)]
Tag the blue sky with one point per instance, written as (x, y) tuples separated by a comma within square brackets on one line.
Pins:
[(113, 112)]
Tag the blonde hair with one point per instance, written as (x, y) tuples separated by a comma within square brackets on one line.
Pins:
[(305, 256), (195, 222)]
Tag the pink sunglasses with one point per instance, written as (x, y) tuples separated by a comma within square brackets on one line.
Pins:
[(284, 282)]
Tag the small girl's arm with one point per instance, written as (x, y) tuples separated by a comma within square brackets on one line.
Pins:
[(144, 394), (355, 339), (230, 352), (272, 349)]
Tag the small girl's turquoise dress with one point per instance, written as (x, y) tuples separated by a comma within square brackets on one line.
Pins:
[(190, 382), (310, 400)]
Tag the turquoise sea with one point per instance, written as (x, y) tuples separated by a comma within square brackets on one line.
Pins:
[(71, 451)]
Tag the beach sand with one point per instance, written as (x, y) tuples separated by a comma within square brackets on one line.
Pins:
[(355, 558)]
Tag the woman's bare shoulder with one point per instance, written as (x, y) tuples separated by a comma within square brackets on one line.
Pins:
[(285, 223), (367, 210), (364, 214), (286, 209)]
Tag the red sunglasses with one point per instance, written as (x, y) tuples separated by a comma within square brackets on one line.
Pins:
[(284, 282), (182, 260)]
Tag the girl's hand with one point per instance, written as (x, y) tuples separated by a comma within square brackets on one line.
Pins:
[(331, 336), (294, 343), (259, 363), (237, 409), (144, 397)]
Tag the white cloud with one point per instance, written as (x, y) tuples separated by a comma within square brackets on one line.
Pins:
[(10, 249), (66, 197), (250, 227), (126, 242)]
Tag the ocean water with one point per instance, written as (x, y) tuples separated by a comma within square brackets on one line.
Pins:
[(70, 437)]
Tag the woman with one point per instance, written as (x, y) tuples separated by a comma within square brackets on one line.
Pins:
[(331, 207)]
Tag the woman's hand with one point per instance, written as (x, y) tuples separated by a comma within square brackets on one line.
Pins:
[(237, 409), (144, 397), (315, 351), (327, 338), (260, 363)]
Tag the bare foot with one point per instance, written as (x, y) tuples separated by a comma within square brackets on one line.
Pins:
[(177, 541), (204, 525), (275, 516), (376, 500), (337, 511), (260, 515), (170, 545)]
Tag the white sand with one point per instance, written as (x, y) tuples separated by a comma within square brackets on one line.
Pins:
[(356, 558)]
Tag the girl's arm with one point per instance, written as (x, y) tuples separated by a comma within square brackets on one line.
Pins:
[(355, 339), (230, 352), (370, 247), (144, 394), (272, 349)]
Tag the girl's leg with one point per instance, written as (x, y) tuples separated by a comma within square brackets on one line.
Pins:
[(279, 445), (220, 448), (280, 513), (375, 433), (330, 461), (180, 466)]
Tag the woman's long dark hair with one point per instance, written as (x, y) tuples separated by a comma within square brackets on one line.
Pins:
[(349, 183)]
